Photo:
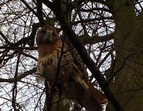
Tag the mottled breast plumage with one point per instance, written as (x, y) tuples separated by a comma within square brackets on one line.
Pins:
[(50, 53), (55, 61)]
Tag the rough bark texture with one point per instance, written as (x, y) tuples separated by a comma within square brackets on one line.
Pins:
[(128, 82)]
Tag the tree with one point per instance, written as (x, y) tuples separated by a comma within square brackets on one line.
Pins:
[(110, 30)]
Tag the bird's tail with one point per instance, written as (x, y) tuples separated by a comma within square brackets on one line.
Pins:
[(90, 98), (93, 98)]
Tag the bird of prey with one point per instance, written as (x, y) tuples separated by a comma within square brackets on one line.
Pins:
[(56, 65)]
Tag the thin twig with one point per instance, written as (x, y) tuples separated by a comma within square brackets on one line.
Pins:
[(14, 90)]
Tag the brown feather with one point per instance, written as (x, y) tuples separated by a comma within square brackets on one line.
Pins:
[(46, 49), (74, 85)]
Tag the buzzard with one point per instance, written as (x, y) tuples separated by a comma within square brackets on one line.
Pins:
[(56, 64)]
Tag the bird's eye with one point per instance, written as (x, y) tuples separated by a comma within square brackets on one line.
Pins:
[(53, 34), (43, 31)]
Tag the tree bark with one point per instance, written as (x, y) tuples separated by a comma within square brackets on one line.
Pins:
[(128, 71)]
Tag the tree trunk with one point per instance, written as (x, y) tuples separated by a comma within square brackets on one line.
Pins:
[(128, 70)]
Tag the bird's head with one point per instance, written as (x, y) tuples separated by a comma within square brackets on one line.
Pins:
[(47, 34)]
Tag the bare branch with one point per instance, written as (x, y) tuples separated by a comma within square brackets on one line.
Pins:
[(21, 76), (85, 57)]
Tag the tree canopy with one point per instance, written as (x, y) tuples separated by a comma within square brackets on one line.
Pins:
[(107, 34)]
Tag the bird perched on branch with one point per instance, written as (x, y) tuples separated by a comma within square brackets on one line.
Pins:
[(55, 64)]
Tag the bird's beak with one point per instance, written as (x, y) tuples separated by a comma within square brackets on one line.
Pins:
[(44, 38), (48, 35), (49, 32)]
